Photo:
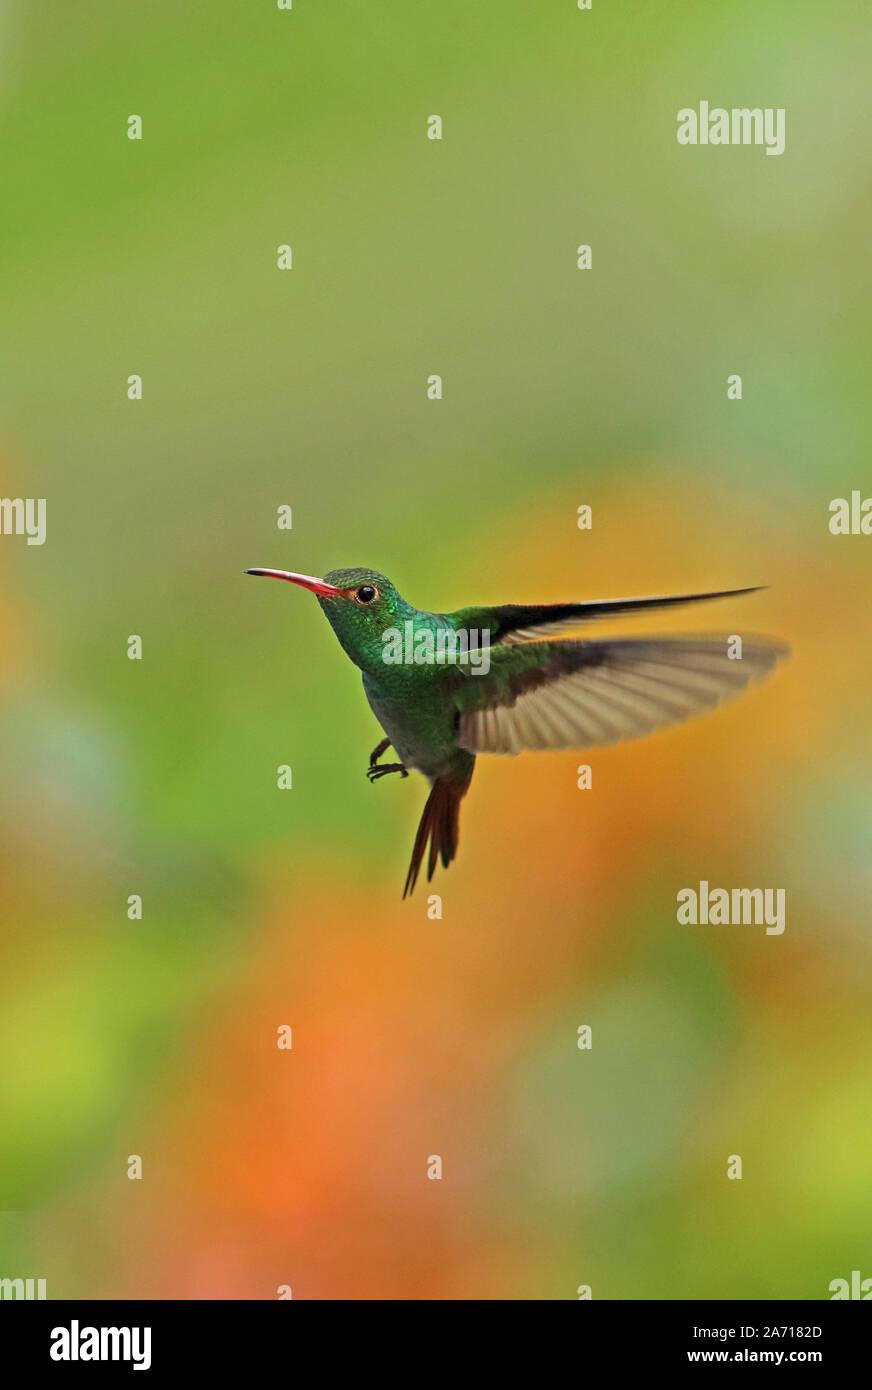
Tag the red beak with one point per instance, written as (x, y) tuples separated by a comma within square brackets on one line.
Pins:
[(316, 586)]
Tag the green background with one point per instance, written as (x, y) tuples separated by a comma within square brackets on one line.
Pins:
[(307, 388)]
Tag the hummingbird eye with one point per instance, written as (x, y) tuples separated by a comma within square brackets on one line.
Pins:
[(366, 593)]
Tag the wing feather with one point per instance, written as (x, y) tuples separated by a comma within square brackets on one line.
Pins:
[(511, 623), (553, 695)]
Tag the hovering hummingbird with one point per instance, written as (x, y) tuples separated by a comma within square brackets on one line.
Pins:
[(446, 686)]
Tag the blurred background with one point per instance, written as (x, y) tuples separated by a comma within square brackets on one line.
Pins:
[(307, 388)]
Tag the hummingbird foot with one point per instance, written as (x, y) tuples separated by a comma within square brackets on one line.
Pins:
[(373, 772), (377, 752)]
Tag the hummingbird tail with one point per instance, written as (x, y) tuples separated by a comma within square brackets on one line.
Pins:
[(440, 825)]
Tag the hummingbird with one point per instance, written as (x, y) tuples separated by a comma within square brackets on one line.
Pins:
[(505, 683)]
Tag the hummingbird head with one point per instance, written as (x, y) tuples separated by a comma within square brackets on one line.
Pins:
[(360, 605)]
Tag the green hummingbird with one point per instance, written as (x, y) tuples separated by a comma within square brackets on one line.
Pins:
[(447, 686)]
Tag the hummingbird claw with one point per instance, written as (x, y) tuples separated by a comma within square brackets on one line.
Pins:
[(373, 773), (377, 751)]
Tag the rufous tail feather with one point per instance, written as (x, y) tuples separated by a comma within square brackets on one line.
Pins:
[(440, 825)]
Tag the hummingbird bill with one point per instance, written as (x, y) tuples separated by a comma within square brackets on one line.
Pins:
[(445, 687)]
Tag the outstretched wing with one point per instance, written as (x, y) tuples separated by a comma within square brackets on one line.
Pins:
[(522, 622), (549, 695)]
